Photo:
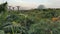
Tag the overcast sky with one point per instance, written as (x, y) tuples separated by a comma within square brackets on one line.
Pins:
[(33, 3)]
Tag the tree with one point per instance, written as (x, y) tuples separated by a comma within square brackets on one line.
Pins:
[(18, 7), (3, 7), (45, 27), (9, 7), (41, 7), (13, 8)]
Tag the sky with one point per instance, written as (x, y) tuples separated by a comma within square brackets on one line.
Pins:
[(33, 3)]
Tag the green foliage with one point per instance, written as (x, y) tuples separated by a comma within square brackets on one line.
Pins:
[(1, 32), (29, 21), (49, 14), (45, 27), (3, 7)]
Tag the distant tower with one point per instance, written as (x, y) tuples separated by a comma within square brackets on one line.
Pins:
[(13, 8), (18, 7), (9, 8)]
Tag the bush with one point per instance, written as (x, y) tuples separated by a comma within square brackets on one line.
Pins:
[(45, 27)]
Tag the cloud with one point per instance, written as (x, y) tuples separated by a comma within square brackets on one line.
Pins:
[(22, 3), (34, 3), (54, 3)]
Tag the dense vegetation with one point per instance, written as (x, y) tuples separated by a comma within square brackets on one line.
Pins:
[(34, 21)]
